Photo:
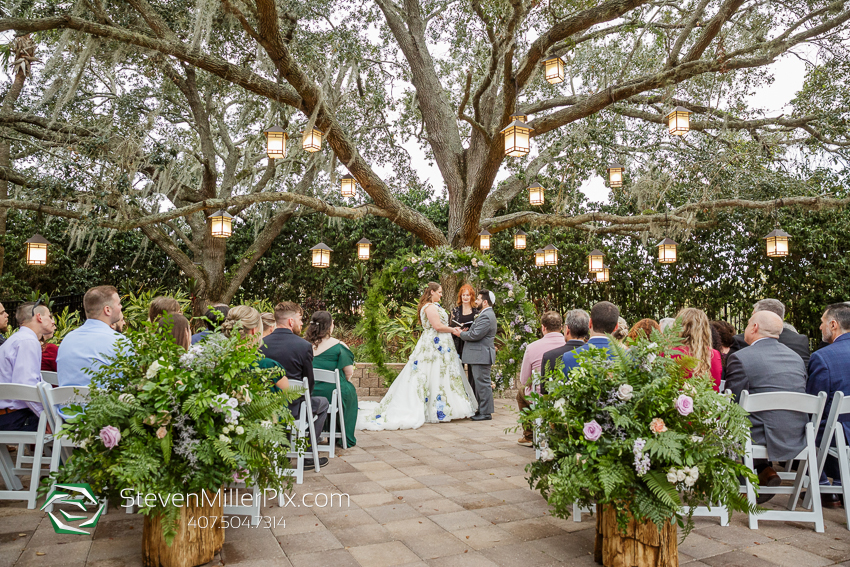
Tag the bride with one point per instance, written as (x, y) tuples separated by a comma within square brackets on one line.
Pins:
[(432, 385)]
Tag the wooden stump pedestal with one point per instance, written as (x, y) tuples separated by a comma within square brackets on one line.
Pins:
[(643, 545), (193, 545)]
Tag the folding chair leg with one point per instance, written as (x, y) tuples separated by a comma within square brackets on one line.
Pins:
[(36, 462), (751, 493), (814, 480), (332, 427), (342, 424), (7, 470), (798, 485)]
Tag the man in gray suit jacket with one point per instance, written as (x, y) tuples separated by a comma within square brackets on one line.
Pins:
[(767, 365), (479, 352)]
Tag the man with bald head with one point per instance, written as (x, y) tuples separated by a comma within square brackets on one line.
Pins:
[(767, 365)]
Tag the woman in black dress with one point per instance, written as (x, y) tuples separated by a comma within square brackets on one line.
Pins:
[(462, 315)]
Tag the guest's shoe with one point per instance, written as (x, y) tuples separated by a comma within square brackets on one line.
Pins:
[(830, 500), (309, 463), (768, 477), (481, 417), (525, 442)]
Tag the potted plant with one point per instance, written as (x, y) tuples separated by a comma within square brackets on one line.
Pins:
[(637, 438), (163, 421)]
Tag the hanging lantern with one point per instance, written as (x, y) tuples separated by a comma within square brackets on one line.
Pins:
[(519, 240), (37, 250), (777, 243), (535, 194), (667, 251), (550, 255), (321, 255), (539, 258), (678, 121), (554, 70), (363, 249), (603, 275), (517, 136), (276, 142), (222, 224), (484, 243), (615, 174), (348, 186), (594, 261), (311, 140)]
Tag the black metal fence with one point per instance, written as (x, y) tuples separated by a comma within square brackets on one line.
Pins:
[(58, 304)]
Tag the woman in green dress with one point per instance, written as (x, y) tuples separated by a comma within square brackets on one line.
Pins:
[(333, 354)]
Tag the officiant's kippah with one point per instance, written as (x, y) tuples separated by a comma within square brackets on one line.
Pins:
[(492, 297)]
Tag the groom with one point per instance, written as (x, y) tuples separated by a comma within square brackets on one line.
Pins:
[(480, 353)]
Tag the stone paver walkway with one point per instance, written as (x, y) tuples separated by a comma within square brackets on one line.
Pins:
[(443, 495)]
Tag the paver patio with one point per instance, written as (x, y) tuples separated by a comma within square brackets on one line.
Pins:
[(444, 495)]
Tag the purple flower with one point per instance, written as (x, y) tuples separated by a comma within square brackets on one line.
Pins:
[(404, 269), (110, 436), (684, 404), (592, 430)]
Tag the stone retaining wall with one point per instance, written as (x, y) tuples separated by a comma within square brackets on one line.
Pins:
[(369, 383)]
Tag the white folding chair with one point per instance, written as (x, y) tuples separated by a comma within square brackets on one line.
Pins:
[(50, 377), (808, 467), (722, 386), (335, 408), (301, 429), (578, 511), (38, 438), (535, 384), (835, 429)]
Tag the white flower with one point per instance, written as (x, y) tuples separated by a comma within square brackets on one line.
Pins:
[(625, 392), (226, 429), (672, 477), (690, 481), (686, 470), (560, 403), (240, 430), (510, 293), (680, 475), (233, 402), (650, 358), (696, 438), (652, 345), (694, 473), (153, 369), (224, 438), (547, 454), (266, 424)]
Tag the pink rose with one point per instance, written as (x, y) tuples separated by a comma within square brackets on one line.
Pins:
[(161, 432), (592, 430), (240, 475), (110, 436), (657, 426), (684, 404)]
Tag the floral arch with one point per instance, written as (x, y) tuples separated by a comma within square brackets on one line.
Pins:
[(405, 277)]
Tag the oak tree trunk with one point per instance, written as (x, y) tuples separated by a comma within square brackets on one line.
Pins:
[(642, 545), (193, 545)]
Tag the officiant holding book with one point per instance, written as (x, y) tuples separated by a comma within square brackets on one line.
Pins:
[(463, 314)]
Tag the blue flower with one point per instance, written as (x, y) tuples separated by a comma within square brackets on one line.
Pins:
[(438, 397), (441, 416), (426, 399), (449, 350), (436, 340), (415, 362), (440, 349), (377, 416)]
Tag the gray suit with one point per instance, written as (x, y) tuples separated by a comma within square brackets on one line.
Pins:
[(769, 366), (479, 353)]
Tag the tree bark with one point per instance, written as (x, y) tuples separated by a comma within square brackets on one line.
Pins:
[(192, 546), (642, 545)]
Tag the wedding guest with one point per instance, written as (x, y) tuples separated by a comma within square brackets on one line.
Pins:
[(622, 330), (829, 371), (214, 316), (48, 353), (463, 313), (332, 354), (604, 318), (93, 344), (285, 346), (119, 326), (268, 323), (4, 324), (532, 358), (576, 327), (248, 322), (178, 327), (643, 329), (769, 366), (696, 336), (665, 323), (161, 305), (726, 332), (20, 363), (793, 340)]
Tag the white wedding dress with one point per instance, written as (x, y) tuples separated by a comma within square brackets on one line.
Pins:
[(431, 387)]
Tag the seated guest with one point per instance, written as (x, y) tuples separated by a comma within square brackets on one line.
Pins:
[(604, 318), (161, 305), (285, 346), (696, 336), (726, 332), (248, 322), (793, 340), (268, 323), (20, 363), (576, 327), (769, 366), (332, 354), (622, 330), (531, 360), (119, 326), (48, 353), (178, 326), (643, 329), (829, 371), (91, 345), (4, 324), (214, 316)]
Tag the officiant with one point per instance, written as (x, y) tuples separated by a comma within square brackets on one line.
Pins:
[(463, 313)]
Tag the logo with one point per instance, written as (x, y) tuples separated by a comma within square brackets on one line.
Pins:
[(78, 496)]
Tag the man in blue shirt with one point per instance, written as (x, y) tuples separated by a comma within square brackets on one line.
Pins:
[(214, 315), (20, 363), (604, 317), (92, 344)]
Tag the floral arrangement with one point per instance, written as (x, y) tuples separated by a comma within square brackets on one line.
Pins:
[(405, 277), (161, 420), (634, 433)]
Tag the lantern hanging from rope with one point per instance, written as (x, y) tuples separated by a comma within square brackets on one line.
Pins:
[(777, 243), (535, 194), (37, 250), (221, 224), (554, 70), (321, 255), (678, 121), (311, 140), (550, 255), (363, 249), (539, 258), (348, 186), (603, 275), (594, 261), (517, 136), (615, 174), (667, 251), (484, 243), (520, 240), (276, 142)]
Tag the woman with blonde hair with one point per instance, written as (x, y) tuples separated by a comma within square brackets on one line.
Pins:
[(696, 336), (431, 386), (246, 321)]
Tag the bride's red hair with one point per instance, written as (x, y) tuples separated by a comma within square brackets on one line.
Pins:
[(470, 289)]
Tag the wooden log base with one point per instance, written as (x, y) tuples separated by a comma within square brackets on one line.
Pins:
[(193, 545), (643, 545)]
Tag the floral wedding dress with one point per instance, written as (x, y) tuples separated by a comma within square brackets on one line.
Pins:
[(431, 388)]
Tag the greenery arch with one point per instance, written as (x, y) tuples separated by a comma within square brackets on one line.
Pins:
[(404, 277)]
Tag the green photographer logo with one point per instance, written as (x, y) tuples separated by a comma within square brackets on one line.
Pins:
[(77, 495)]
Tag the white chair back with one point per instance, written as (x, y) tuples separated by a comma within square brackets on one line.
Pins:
[(52, 397), (301, 429), (38, 438), (50, 377), (335, 409), (834, 444)]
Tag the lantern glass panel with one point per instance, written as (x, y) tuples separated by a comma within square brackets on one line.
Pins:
[(312, 140), (554, 70), (535, 195), (36, 254), (551, 257), (516, 141), (777, 246), (679, 123), (348, 185), (363, 251), (539, 258), (667, 253), (594, 263), (276, 144), (615, 177), (485, 242), (222, 227), (519, 241)]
